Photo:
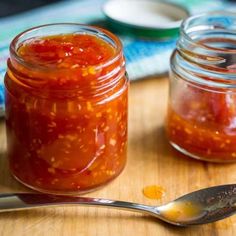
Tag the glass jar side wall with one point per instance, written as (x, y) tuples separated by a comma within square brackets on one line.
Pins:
[(66, 108), (201, 122), (66, 146)]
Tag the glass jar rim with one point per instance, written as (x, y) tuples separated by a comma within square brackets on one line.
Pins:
[(205, 52), (32, 76), (186, 24), (83, 27)]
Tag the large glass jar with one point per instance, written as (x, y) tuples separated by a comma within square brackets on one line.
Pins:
[(201, 120), (66, 108)]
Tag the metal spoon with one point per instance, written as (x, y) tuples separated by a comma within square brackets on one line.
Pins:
[(199, 207)]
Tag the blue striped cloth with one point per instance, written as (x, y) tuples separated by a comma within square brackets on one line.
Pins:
[(144, 57)]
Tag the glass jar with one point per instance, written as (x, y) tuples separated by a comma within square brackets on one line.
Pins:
[(66, 108), (201, 121)]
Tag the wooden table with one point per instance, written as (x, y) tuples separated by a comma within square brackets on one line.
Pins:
[(150, 161)]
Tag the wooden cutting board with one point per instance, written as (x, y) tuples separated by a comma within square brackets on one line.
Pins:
[(151, 161)]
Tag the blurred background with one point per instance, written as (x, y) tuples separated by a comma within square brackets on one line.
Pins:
[(145, 56), (10, 7)]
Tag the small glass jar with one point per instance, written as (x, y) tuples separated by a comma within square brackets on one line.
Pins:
[(201, 121), (67, 119)]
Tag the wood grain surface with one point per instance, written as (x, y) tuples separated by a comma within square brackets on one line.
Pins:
[(151, 161)]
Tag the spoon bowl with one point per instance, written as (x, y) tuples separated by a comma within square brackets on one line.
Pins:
[(199, 207)]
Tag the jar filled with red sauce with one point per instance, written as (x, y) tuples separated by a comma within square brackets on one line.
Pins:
[(66, 108), (201, 121)]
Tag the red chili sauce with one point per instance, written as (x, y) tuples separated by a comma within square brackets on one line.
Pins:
[(204, 124), (64, 133)]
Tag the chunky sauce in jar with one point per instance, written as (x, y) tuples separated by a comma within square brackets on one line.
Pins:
[(206, 126), (66, 113)]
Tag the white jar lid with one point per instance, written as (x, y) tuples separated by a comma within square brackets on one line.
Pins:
[(146, 18)]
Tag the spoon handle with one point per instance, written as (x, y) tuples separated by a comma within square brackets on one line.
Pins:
[(23, 201)]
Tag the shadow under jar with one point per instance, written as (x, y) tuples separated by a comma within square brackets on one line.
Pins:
[(66, 108), (201, 121)]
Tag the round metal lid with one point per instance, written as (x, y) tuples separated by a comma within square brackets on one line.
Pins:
[(145, 18)]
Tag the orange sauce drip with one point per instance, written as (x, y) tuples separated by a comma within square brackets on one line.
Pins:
[(153, 192)]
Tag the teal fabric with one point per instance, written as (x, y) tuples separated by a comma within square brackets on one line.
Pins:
[(144, 57)]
